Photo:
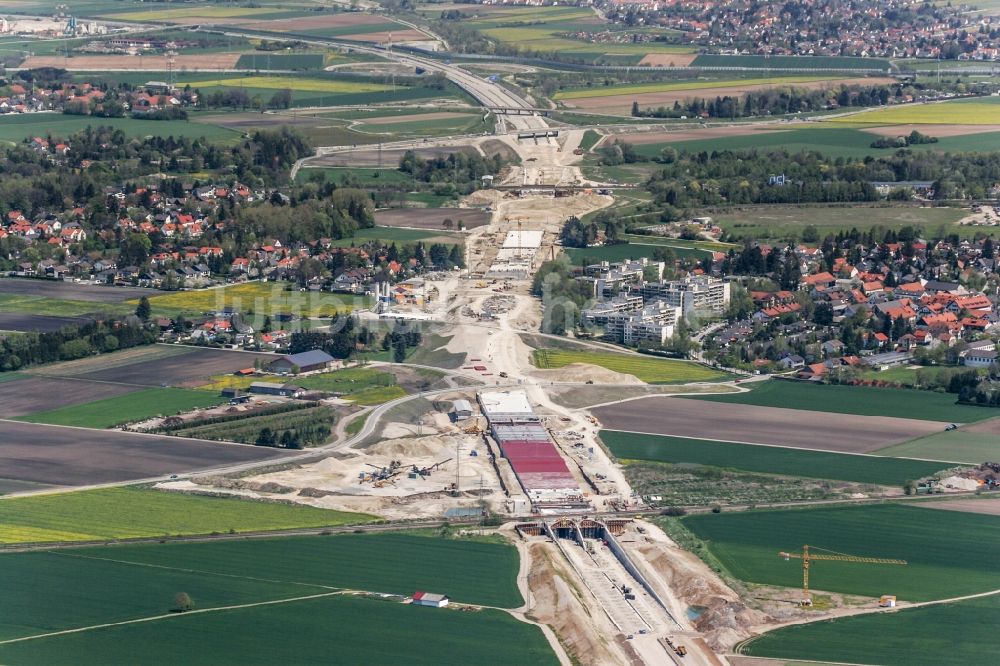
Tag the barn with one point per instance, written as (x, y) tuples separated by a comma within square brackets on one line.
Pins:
[(307, 361), (283, 390), (430, 599)]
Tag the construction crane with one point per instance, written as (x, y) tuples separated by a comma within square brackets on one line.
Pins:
[(806, 556)]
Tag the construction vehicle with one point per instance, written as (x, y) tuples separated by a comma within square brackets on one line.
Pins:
[(807, 556), (382, 474), (504, 375), (426, 471)]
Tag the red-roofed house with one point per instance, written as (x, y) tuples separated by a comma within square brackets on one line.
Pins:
[(823, 279)]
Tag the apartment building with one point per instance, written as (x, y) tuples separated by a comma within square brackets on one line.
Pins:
[(653, 323), (700, 293)]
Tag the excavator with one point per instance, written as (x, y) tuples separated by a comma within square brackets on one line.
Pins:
[(807, 556)]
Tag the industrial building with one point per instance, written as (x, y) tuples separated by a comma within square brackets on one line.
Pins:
[(525, 443)]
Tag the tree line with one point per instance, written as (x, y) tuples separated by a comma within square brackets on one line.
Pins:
[(348, 336), (776, 101), (23, 350), (701, 179)]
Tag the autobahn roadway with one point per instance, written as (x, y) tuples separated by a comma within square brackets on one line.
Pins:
[(487, 93)]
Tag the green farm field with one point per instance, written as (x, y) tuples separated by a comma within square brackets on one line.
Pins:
[(261, 298), (386, 562), (319, 131), (947, 555), (136, 406), (62, 590), (352, 628), (960, 445), (861, 400), (16, 128), (829, 139), (59, 307), (649, 369), (975, 111), (123, 513), (364, 386), (324, 85), (780, 222), (948, 634), (464, 124), (640, 88), (767, 459)]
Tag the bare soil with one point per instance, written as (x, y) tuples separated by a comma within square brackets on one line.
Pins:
[(556, 602), (623, 103), (15, 321), (492, 147), (762, 425), (430, 218), (207, 61), (989, 427), (583, 372), (987, 507), (940, 131), (333, 482), (187, 370), (725, 619), (35, 394), (76, 457), (668, 59), (71, 290)]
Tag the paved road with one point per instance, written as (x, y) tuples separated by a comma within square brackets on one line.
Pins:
[(487, 93)]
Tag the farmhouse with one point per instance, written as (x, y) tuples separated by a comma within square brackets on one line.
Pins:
[(309, 361), (430, 599)]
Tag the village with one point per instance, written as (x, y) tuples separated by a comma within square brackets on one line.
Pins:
[(896, 29)]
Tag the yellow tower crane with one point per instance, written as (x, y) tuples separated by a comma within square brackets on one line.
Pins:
[(807, 556)]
